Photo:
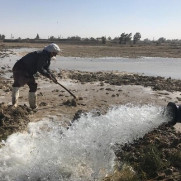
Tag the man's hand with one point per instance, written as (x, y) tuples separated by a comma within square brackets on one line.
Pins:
[(51, 77)]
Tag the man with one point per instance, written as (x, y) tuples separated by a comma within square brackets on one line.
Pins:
[(27, 66)]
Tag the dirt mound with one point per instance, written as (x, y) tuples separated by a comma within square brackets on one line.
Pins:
[(156, 83), (12, 119), (70, 102)]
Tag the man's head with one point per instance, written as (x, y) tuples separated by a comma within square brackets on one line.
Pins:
[(53, 49)]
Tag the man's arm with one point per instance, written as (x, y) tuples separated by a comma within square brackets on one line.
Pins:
[(43, 68), (43, 65)]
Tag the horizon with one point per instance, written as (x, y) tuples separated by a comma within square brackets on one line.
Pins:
[(86, 19), (61, 38)]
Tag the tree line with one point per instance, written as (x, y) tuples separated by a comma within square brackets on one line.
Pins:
[(124, 38)]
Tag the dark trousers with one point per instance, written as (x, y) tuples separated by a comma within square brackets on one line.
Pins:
[(21, 77)]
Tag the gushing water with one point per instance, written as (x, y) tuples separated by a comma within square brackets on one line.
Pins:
[(83, 152)]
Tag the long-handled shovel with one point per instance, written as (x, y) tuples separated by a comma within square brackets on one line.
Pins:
[(67, 90)]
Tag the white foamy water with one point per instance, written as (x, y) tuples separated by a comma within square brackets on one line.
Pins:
[(81, 153)]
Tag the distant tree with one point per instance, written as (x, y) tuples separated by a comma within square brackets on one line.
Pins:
[(124, 38), (37, 37), (147, 41), (136, 37), (2, 37), (92, 39), (128, 38), (52, 38), (77, 38), (109, 38), (161, 40), (85, 39), (103, 38)]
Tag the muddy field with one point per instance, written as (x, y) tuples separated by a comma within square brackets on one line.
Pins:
[(99, 91), (132, 51)]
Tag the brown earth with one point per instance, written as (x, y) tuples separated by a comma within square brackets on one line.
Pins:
[(170, 50), (97, 91)]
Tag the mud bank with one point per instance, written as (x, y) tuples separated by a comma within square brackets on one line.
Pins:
[(156, 83), (13, 119)]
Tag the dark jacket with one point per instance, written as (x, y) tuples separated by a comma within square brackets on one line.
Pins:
[(38, 61)]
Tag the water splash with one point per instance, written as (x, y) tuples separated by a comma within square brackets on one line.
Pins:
[(83, 152)]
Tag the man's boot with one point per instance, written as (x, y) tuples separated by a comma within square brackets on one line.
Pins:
[(32, 100), (15, 96)]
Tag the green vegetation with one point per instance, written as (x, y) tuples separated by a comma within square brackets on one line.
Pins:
[(151, 162)]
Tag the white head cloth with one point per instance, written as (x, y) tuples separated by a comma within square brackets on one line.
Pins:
[(52, 48)]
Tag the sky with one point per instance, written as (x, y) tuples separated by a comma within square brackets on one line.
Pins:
[(90, 18)]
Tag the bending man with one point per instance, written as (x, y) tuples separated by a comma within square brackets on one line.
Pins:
[(27, 66)]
